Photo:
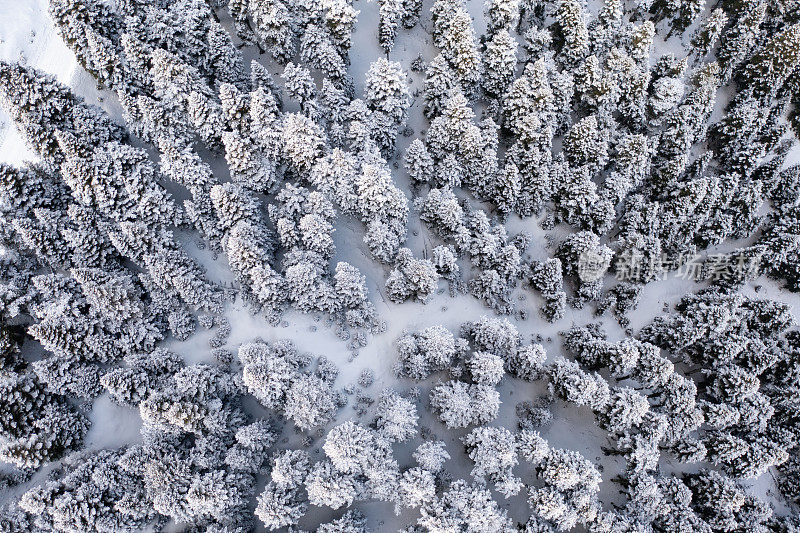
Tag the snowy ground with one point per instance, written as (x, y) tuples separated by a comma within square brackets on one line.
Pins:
[(27, 34)]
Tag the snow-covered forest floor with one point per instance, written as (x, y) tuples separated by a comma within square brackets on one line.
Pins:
[(28, 36)]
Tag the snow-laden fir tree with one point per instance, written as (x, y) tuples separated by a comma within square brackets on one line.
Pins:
[(396, 417), (430, 350)]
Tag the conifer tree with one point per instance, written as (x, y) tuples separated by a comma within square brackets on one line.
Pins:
[(499, 62), (454, 34), (769, 68), (709, 32)]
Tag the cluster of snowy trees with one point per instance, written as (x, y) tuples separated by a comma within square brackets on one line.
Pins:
[(201, 452), (95, 194), (600, 133), (489, 247), (273, 375), (742, 394), (38, 426), (185, 87), (562, 119), (734, 414), (196, 464), (627, 166), (477, 361)]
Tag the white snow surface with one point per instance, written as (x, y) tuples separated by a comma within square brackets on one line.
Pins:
[(27, 34)]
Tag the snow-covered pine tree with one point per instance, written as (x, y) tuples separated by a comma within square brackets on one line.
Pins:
[(411, 278), (454, 35)]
